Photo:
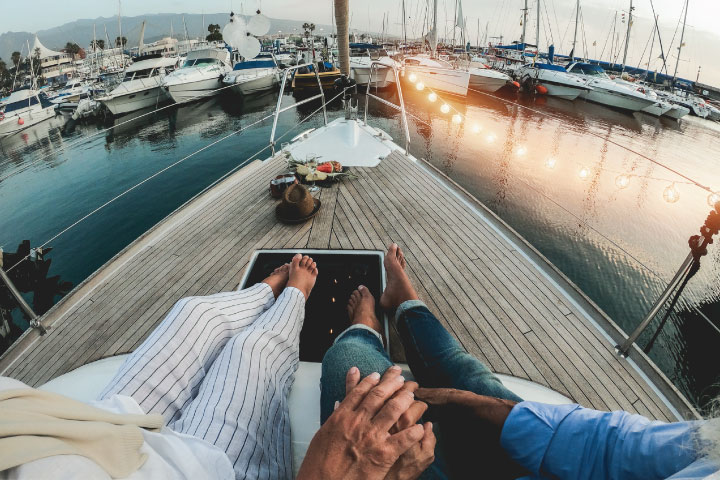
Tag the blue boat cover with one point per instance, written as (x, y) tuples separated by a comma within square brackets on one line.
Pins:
[(550, 66), (254, 64), (364, 45)]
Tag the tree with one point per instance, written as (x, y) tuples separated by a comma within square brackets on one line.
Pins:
[(98, 44), (118, 44), (73, 48), (215, 35), (15, 58)]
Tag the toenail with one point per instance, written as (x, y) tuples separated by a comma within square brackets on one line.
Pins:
[(374, 376), (395, 368)]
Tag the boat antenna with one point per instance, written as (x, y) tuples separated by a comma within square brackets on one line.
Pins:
[(682, 36), (627, 36)]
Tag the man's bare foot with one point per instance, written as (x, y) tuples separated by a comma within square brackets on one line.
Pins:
[(399, 289), (303, 272), (278, 278), (361, 309)]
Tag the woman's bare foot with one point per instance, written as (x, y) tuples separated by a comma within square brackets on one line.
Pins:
[(303, 272), (278, 278), (399, 289), (361, 309)]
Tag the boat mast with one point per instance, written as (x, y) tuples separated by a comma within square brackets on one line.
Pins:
[(142, 37), (404, 30), (577, 15), (682, 36), (537, 28), (627, 37), (120, 25), (455, 24), (94, 52), (524, 22), (433, 44), (652, 44)]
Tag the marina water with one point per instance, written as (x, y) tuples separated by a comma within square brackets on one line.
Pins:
[(547, 167)]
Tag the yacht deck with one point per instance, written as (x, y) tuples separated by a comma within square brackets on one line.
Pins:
[(494, 292)]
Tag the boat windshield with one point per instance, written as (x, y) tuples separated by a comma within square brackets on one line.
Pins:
[(199, 62), (585, 69), (10, 107)]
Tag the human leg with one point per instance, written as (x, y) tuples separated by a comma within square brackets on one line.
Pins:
[(165, 372)]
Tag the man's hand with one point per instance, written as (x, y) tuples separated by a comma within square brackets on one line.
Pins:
[(356, 441), (471, 426)]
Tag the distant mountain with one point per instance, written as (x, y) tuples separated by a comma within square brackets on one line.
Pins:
[(157, 26)]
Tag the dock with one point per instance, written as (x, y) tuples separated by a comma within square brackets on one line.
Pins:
[(497, 295)]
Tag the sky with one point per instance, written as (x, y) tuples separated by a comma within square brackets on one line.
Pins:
[(502, 16)]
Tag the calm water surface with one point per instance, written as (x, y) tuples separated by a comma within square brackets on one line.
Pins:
[(620, 246)]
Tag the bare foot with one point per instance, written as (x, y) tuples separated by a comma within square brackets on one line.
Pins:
[(361, 309), (278, 278), (398, 289), (303, 272)]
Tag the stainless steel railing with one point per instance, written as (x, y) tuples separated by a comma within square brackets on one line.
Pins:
[(374, 66), (279, 109)]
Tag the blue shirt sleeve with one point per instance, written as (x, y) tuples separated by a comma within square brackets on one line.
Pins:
[(572, 442)]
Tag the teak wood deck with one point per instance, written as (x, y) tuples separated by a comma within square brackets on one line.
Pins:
[(497, 295)]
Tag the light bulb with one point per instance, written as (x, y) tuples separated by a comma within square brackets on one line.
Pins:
[(584, 173), (520, 151), (412, 77), (550, 163), (671, 194), (714, 198), (622, 181), (432, 97), (490, 138), (445, 108), (457, 118), (420, 85), (476, 128)]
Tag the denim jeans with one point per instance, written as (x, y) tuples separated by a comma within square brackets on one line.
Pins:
[(435, 358)]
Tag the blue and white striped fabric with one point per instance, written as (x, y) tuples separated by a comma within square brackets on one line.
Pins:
[(220, 368)]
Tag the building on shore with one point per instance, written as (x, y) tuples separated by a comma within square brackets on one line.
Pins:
[(55, 67)]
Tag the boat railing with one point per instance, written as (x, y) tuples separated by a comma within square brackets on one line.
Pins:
[(280, 109), (374, 66)]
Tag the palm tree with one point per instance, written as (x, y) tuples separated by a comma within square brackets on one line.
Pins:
[(98, 44), (15, 57), (309, 28), (118, 44)]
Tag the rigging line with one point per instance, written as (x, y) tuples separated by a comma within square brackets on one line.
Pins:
[(677, 26), (80, 140), (657, 29)]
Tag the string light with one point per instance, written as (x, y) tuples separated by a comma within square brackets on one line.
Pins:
[(420, 86), (490, 138), (550, 163), (671, 194), (432, 97), (476, 128), (622, 181), (713, 198), (584, 173), (520, 151), (445, 108), (457, 118), (412, 78)]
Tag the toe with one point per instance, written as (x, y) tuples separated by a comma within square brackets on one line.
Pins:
[(296, 260), (392, 250)]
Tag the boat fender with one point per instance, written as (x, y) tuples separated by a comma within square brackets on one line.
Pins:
[(541, 89), (516, 84), (21, 121), (2, 116)]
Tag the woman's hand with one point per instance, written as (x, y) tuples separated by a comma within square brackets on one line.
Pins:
[(356, 441)]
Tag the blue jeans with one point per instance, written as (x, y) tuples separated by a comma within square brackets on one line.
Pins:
[(435, 358)]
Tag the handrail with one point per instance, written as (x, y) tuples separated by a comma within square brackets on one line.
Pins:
[(279, 110), (373, 67)]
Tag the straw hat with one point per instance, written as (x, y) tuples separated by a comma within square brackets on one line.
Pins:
[(297, 205)]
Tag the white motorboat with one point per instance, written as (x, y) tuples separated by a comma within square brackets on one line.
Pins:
[(487, 79), (676, 111), (693, 104), (713, 112), (256, 75), (142, 85), (607, 92), (657, 109), (22, 109), (558, 82), (286, 57), (200, 76), (436, 74), (73, 91), (361, 57)]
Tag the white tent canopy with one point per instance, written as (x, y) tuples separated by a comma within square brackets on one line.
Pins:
[(44, 51)]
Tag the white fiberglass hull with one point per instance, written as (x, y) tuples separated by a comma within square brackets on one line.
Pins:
[(677, 112), (382, 77), (616, 100), (488, 84), (558, 84), (129, 102), (31, 116), (657, 109), (189, 91), (562, 91), (455, 82), (253, 85)]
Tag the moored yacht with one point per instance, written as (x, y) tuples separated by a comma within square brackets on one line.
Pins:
[(361, 57), (255, 75), (437, 74), (22, 109), (200, 76), (558, 82), (487, 79), (607, 92), (142, 85)]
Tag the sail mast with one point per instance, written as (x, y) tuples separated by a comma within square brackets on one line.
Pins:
[(524, 22), (682, 37), (120, 25), (537, 27), (627, 36), (577, 15)]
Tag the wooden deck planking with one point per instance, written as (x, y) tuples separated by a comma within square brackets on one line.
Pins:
[(490, 297)]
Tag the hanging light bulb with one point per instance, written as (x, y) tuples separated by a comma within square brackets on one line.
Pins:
[(671, 194), (445, 108), (490, 138), (412, 78), (457, 118), (432, 97), (622, 181), (476, 128), (420, 85), (520, 151), (584, 173), (714, 198), (550, 163)]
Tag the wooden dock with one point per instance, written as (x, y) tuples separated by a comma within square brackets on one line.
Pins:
[(496, 294)]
